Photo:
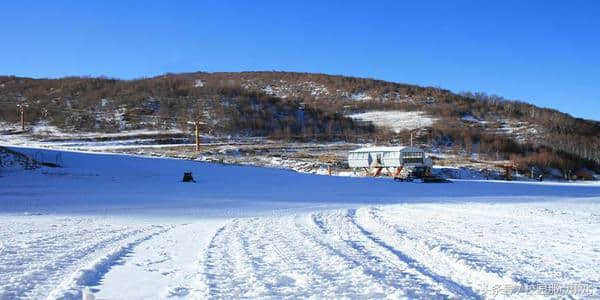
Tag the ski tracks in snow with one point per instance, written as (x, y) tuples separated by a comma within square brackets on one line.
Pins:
[(396, 251), (72, 287), (399, 251), (329, 254), (55, 258), (167, 265)]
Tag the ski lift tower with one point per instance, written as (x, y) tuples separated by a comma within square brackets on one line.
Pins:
[(197, 132)]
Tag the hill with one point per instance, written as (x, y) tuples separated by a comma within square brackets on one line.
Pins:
[(310, 107)]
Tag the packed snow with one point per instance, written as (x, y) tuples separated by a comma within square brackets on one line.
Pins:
[(396, 120), (126, 227)]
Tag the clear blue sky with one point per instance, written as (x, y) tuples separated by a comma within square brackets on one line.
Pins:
[(543, 52)]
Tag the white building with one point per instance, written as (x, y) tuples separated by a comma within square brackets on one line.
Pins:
[(388, 157)]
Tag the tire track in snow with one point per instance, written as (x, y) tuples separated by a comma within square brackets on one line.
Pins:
[(415, 260), (71, 288), (43, 275), (399, 273), (323, 254), (354, 253), (206, 279), (454, 271), (230, 271), (497, 242), (476, 256), (323, 272), (286, 263)]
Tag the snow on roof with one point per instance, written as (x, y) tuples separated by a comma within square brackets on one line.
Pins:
[(384, 149)]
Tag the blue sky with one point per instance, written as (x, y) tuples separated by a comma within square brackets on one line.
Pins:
[(543, 52)]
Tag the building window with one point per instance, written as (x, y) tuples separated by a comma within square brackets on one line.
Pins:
[(412, 157)]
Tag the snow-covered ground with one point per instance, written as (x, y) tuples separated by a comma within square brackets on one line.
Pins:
[(125, 227), (470, 118), (396, 120), (46, 136)]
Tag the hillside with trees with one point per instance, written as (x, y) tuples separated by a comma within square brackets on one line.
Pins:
[(307, 107)]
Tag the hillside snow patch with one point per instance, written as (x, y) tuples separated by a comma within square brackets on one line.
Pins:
[(396, 120)]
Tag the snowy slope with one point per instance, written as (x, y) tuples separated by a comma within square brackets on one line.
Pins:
[(126, 227)]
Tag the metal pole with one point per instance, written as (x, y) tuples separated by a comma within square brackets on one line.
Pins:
[(197, 136), (22, 111)]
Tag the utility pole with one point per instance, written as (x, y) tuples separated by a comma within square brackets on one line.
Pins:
[(196, 132), (21, 108), (197, 124)]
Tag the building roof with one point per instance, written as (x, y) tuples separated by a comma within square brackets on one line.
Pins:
[(385, 149)]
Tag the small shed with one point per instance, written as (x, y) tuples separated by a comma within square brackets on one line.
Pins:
[(388, 157)]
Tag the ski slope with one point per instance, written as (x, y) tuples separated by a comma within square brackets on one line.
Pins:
[(119, 227)]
